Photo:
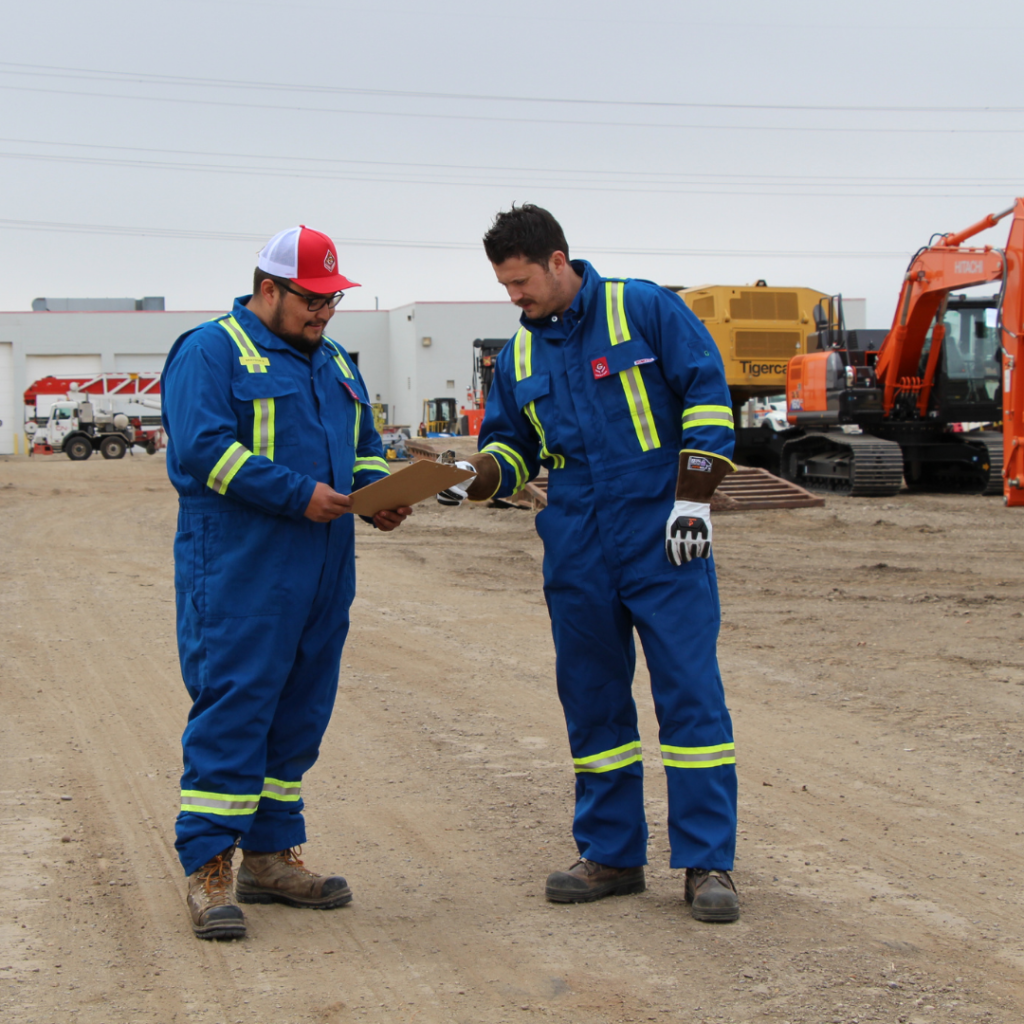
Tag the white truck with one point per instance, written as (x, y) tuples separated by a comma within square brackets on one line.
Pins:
[(79, 424)]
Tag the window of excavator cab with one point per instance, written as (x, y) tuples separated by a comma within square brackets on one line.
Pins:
[(972, 344)]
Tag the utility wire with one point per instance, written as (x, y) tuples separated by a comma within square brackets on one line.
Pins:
[(561, 122), (563, 184), (390, 243), (93, 74), (657, 177)]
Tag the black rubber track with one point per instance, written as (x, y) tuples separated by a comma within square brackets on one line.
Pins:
[(876, 466)]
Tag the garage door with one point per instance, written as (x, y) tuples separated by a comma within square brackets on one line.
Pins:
[(139, 362), (7, 421), (54, 366), (37, 367)]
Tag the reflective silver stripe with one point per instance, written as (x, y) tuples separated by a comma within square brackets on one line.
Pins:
[(618, 317), (263, 422), (250, 358), (523, 344), (245, 806), (640, 404), (617, 758), (512, 458), (226, 470), (340, 359), (722, 753), (282, 791), (708, 412)]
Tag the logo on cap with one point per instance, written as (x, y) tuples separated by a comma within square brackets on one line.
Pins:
[(600, 368), (329, 262)]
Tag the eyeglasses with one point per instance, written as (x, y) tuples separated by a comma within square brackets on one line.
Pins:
[(314, 302)]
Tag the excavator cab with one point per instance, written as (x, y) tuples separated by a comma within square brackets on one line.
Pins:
[(967, 386)]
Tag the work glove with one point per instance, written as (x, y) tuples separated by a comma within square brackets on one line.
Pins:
[(456, 494), (688, 532)]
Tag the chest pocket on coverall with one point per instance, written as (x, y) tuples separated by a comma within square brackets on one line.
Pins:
[(631, 386), (266, 421), (534, 399)]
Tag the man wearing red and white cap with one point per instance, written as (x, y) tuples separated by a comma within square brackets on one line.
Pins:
[(270, 429)]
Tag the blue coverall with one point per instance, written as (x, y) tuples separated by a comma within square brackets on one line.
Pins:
[(606, 396), (263, 593)]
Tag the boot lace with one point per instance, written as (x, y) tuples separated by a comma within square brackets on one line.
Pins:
[(216, 878), (292, 858)]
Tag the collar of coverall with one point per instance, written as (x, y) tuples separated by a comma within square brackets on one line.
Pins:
[(262, 335), (591, 279)]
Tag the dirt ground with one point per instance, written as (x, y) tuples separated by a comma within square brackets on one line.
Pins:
[(873, 654)]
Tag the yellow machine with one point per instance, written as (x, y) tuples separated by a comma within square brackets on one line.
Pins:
[(440, 416), (757, 330)]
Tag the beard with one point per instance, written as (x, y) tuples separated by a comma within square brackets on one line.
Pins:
[(297, 341)]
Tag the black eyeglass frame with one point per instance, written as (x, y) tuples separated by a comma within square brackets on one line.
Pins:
[(313, 302)]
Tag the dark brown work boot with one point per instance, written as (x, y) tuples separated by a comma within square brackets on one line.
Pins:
[(587, 880), (281, 878), (711, 895), (211, 904)]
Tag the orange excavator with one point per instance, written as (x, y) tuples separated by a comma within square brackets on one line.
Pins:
[(870, 411)]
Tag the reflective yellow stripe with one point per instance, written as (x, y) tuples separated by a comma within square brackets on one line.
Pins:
[(374, 462), (531, 415), (609, 760), (632, 380), (359, 418), (263, 414), (227, 466), (497, 486), (287, 792), (522, 351), (640, 408), (708, 415), (250, 357), (712, 455), (219, 803), (709, 423), (698, 757), (340, 359), (513, 458), (614, 300)]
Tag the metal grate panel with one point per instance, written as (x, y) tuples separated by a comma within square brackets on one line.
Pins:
[(766, 344)]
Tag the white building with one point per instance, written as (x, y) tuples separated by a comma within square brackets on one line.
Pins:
[(423, 350)]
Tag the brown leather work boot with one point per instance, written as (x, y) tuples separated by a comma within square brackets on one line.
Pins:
[(281, 878), (711, 895), (211, 904), (587, 880)]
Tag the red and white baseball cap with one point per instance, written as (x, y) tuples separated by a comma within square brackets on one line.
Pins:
[(305, 257)]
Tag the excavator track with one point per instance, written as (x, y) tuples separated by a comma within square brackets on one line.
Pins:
[(859, 465), (993, 443)]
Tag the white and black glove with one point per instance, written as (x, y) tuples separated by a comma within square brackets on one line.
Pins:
[(456, 494), (688, 532)]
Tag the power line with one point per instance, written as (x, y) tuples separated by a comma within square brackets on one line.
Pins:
[(94, 74), (564, 184), (562, 122), (390, 243), (656, 176)]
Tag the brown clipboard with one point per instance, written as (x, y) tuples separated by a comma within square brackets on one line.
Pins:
[(414, 483)]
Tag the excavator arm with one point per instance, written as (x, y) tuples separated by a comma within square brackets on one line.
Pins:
[(1012, 326), (933, 273)]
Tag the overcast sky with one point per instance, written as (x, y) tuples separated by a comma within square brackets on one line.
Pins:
[(149, 148)]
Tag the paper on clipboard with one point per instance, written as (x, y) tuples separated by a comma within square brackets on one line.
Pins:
[(412, 484)]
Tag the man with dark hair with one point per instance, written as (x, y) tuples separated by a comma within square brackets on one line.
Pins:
[(617, 388), (269, 429)]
